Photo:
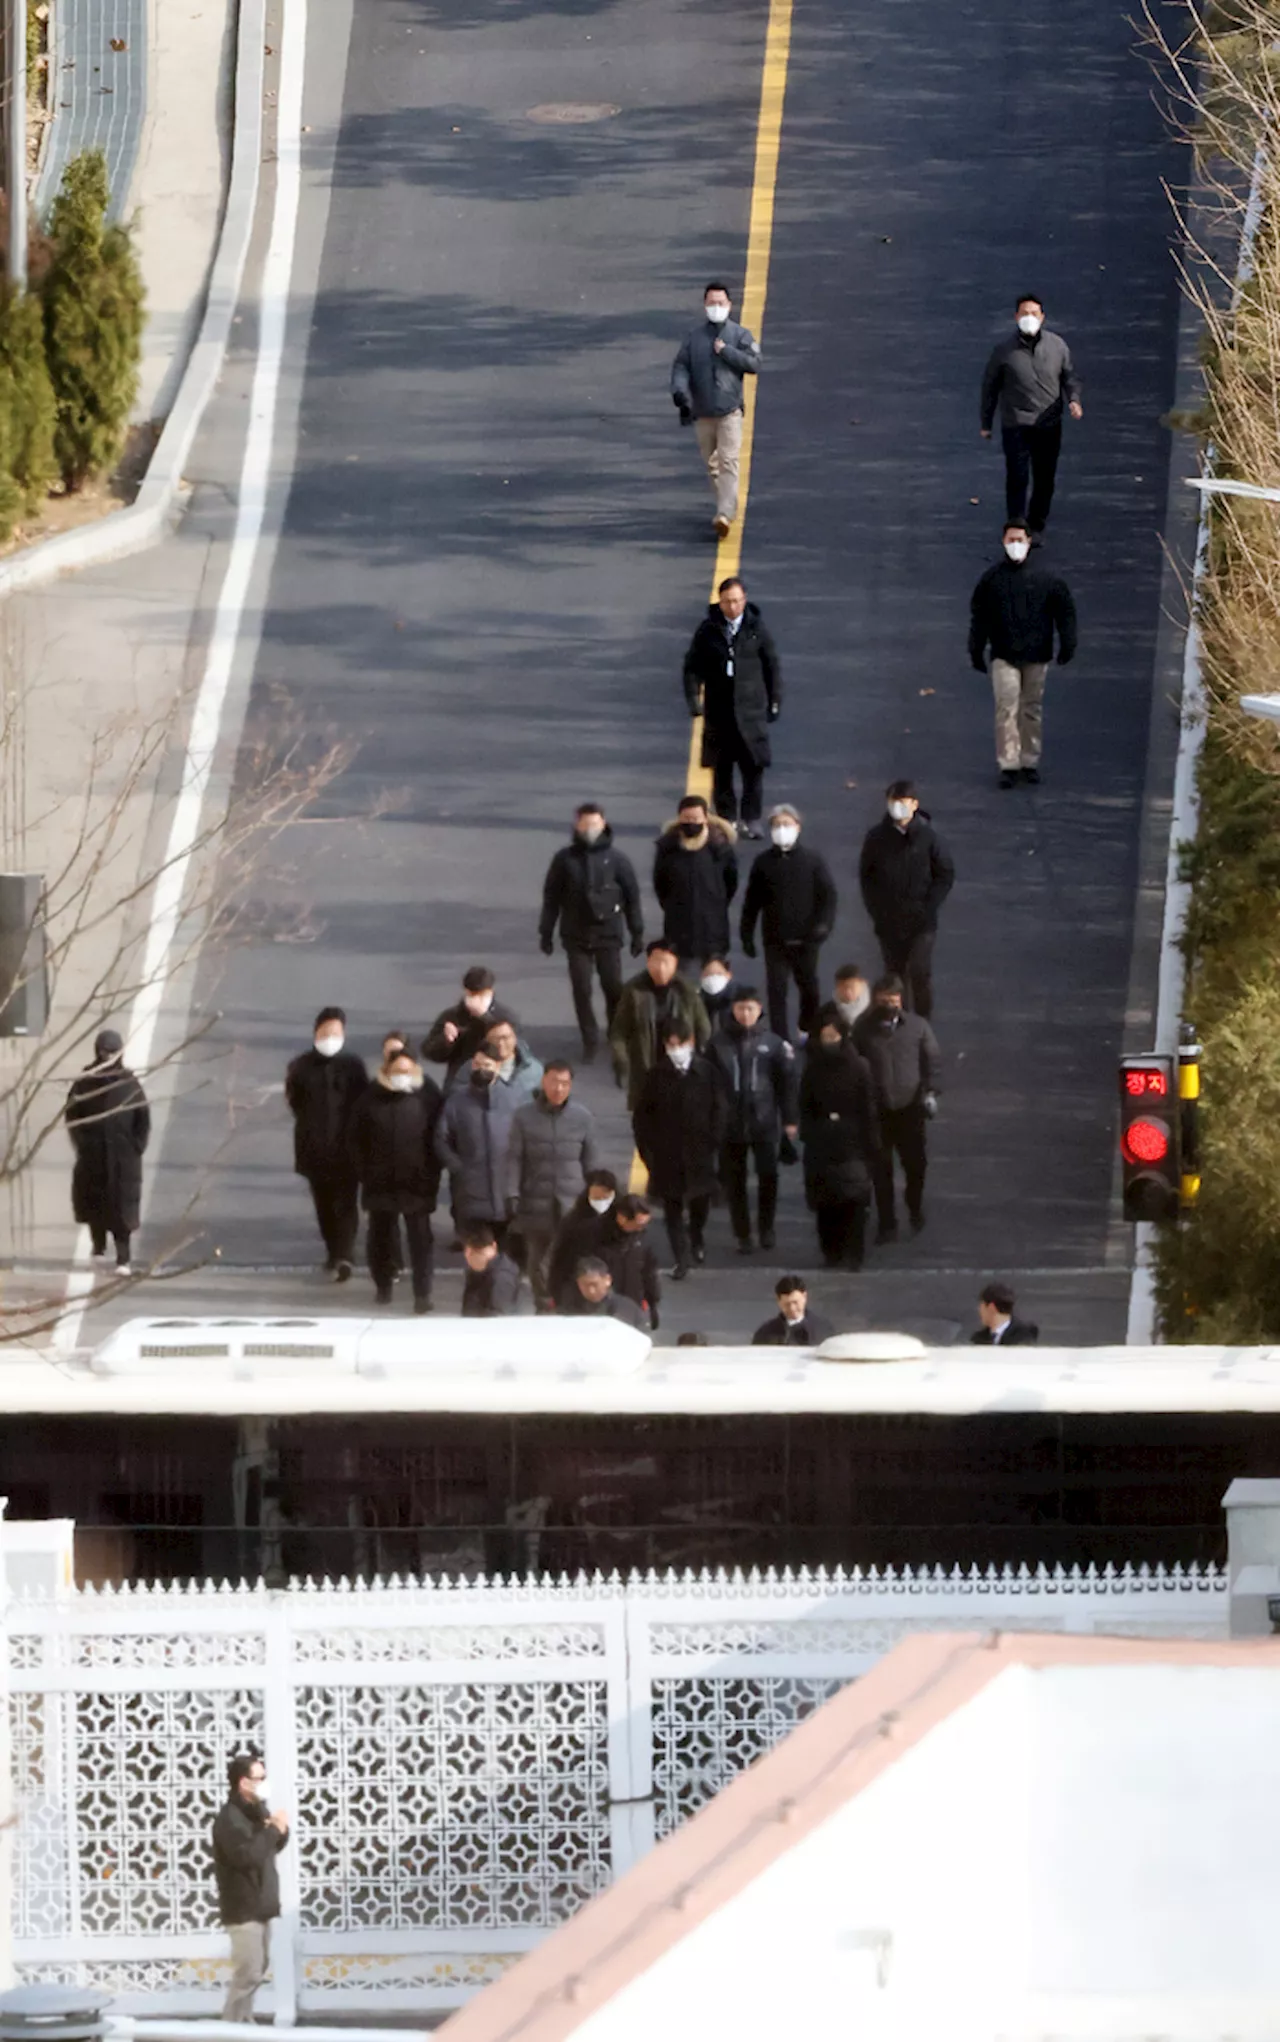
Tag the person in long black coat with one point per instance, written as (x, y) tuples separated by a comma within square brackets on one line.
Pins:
[(109, 1122), (733, 677), (679, 1128), (695, 876), (906, 872), (838, 1131), (321, 1087), (393, 1128)]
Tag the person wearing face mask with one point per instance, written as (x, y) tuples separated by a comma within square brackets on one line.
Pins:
[(791, 892), (853, 994), (473, 1137), (906, 872), (695, 876), (901, 1053), (1017, 608), (718, 988), (1030, 377), (109, 1122), (651, 1000), (550, 1157), (591, 891), (247, 1840), (456, 1034), (840, 1139), (757, 1069), (706, 389), (392, 1143), (588, 1228), (733, 680), (679, 1127), (321, 1088)]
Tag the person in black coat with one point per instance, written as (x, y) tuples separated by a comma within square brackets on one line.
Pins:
[(901, 1053), (794, 1325), (459, 1031), (791, 892), (492, 1286), (246, 1843), (109, 1122), (679, 1131), (320, 1087), (758, 1071), (393, 1150), (591, 891), (838, 1130), (695, 876), (999, 1328), (588, 1228), (906, 873), (1016, 610), (719, 989), (733, 679), (632, 1261)]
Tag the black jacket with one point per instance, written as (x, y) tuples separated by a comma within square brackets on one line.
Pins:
[(472, 1029), (611, 1306), (491, 1293), (1018, 1333), (581, 1232), (392, 1147), (679, 1129), (1030, 379), (1015, 609), (709, 384), (905, 875), (837, 1126), (718, 1007), (591, 890), (736, 681), (903, 1059), (245, 1848), (792, 894), (633, 1264), (695, 888), (758, 1072), (810, 1331), (109, 1122), (320, 1092)]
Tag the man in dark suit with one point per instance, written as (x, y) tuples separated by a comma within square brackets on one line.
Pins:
[(794, 1324), (732, 676), (999, 1327)]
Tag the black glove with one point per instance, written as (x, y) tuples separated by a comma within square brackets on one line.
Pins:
[(637, 946), (1065, 658), (653, 1320), (681, 405), (979, 665), (788, 1153), (748, 946), (546, 946)]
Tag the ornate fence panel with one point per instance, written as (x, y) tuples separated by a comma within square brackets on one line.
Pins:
[(464, 1765)]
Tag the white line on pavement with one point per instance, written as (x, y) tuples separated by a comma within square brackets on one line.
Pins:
[(251, 505)]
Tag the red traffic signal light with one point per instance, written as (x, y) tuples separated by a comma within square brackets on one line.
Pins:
[(1149, 1134), (1145, 1141)]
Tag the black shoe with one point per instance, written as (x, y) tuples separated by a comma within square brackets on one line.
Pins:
[(1031, 774), (421, 1306), (1035, 535), (917, 1222), (342, 1273), (590, 1051), (329, 1266), (680, 1272), (699, 1254), (749, 830), (745, 1246), (455, 1245), (853, 1263), (832, 1262), (886, 1234), (1009, 777), (766, 1239), (382, 1296)]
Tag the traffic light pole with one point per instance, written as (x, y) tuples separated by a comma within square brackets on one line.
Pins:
[(1189, 1116)]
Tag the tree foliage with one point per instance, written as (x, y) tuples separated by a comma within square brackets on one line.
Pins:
[(93, 316)]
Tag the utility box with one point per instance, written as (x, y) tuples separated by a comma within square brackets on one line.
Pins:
[(24, 982)]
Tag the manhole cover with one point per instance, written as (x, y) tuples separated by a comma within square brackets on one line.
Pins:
[(572, 112)]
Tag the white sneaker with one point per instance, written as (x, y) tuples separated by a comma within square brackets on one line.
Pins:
[(123, 1269)]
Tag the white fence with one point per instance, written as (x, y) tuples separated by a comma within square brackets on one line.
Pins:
[(464, 1764)]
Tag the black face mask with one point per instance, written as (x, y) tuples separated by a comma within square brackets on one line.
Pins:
[(691, 829), (482, 1078)]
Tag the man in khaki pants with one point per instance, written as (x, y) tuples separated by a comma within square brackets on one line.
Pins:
[(706, 389), (246, 1843), (1016, 610)]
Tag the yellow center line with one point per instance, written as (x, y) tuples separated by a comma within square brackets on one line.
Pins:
[(755, 290)]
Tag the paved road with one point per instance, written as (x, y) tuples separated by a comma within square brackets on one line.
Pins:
[(496, 544)]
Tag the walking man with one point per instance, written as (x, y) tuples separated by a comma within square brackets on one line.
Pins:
[(591, 891), (840, 1137), (457, 1033), (906, 872), (491, 1289), (655, 997), (695, 876), (1030, 377), (999, 1328), (633, 1264), (733, 679), (473, 1136), (679, 1127), (901, 1052), (109, 1122), (588, 1228), (592, 1296), (550, 1157), (1016, 609), (792, 891), (706, 389), (321, 1087), (794, 1324), (246, 1843), (393, 1152), (758, 1071)]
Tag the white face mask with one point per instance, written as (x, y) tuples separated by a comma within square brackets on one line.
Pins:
[(329, 1045), (403, 1081), (682, 1057), (477, 1003), (600, 1204), (851, 1010), (715, 982), (717, 314), (262, 1789), (1017, 549), (784, 834), (901, 811), (1029, 325), (592, 835)]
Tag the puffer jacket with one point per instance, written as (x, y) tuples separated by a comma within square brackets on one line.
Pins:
[(552, 1151), (591, 890), (472, 1140), (710, 384), (1030, 378)]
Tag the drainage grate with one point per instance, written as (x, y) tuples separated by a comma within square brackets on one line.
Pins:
[(570, 113), (285, 1350), (154, 1352)]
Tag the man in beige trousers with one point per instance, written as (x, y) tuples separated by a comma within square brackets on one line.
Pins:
[(706, 389), (1018, 610), (246, 1842)]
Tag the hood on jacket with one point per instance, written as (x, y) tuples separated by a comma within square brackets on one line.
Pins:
[(383, 1078), (716, 826)]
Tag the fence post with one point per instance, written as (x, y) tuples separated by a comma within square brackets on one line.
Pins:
[(281, 1738), (631, 1720)]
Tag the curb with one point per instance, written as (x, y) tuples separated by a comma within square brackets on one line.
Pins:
[(147, 520)]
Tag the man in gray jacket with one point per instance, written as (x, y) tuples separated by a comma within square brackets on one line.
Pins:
[(1030, 376), (473, 1132), (901, 1051), (706, 389), (550, 1157)]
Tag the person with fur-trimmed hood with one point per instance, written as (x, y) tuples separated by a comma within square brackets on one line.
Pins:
[(393, 1128), (695, 876)]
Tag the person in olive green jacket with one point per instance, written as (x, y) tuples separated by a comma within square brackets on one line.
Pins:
[(650, 1001)]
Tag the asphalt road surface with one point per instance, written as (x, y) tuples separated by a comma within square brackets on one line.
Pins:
[(497, 542)]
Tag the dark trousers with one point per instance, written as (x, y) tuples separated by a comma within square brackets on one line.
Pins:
[(682, 1235), (384, 1249), (798, 961), (582, 966), (730, 751), (902, 1134), (911, 958), (733, 1170), (1031, 461), (121, 1240), (337, 1204), (842, 1234)]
